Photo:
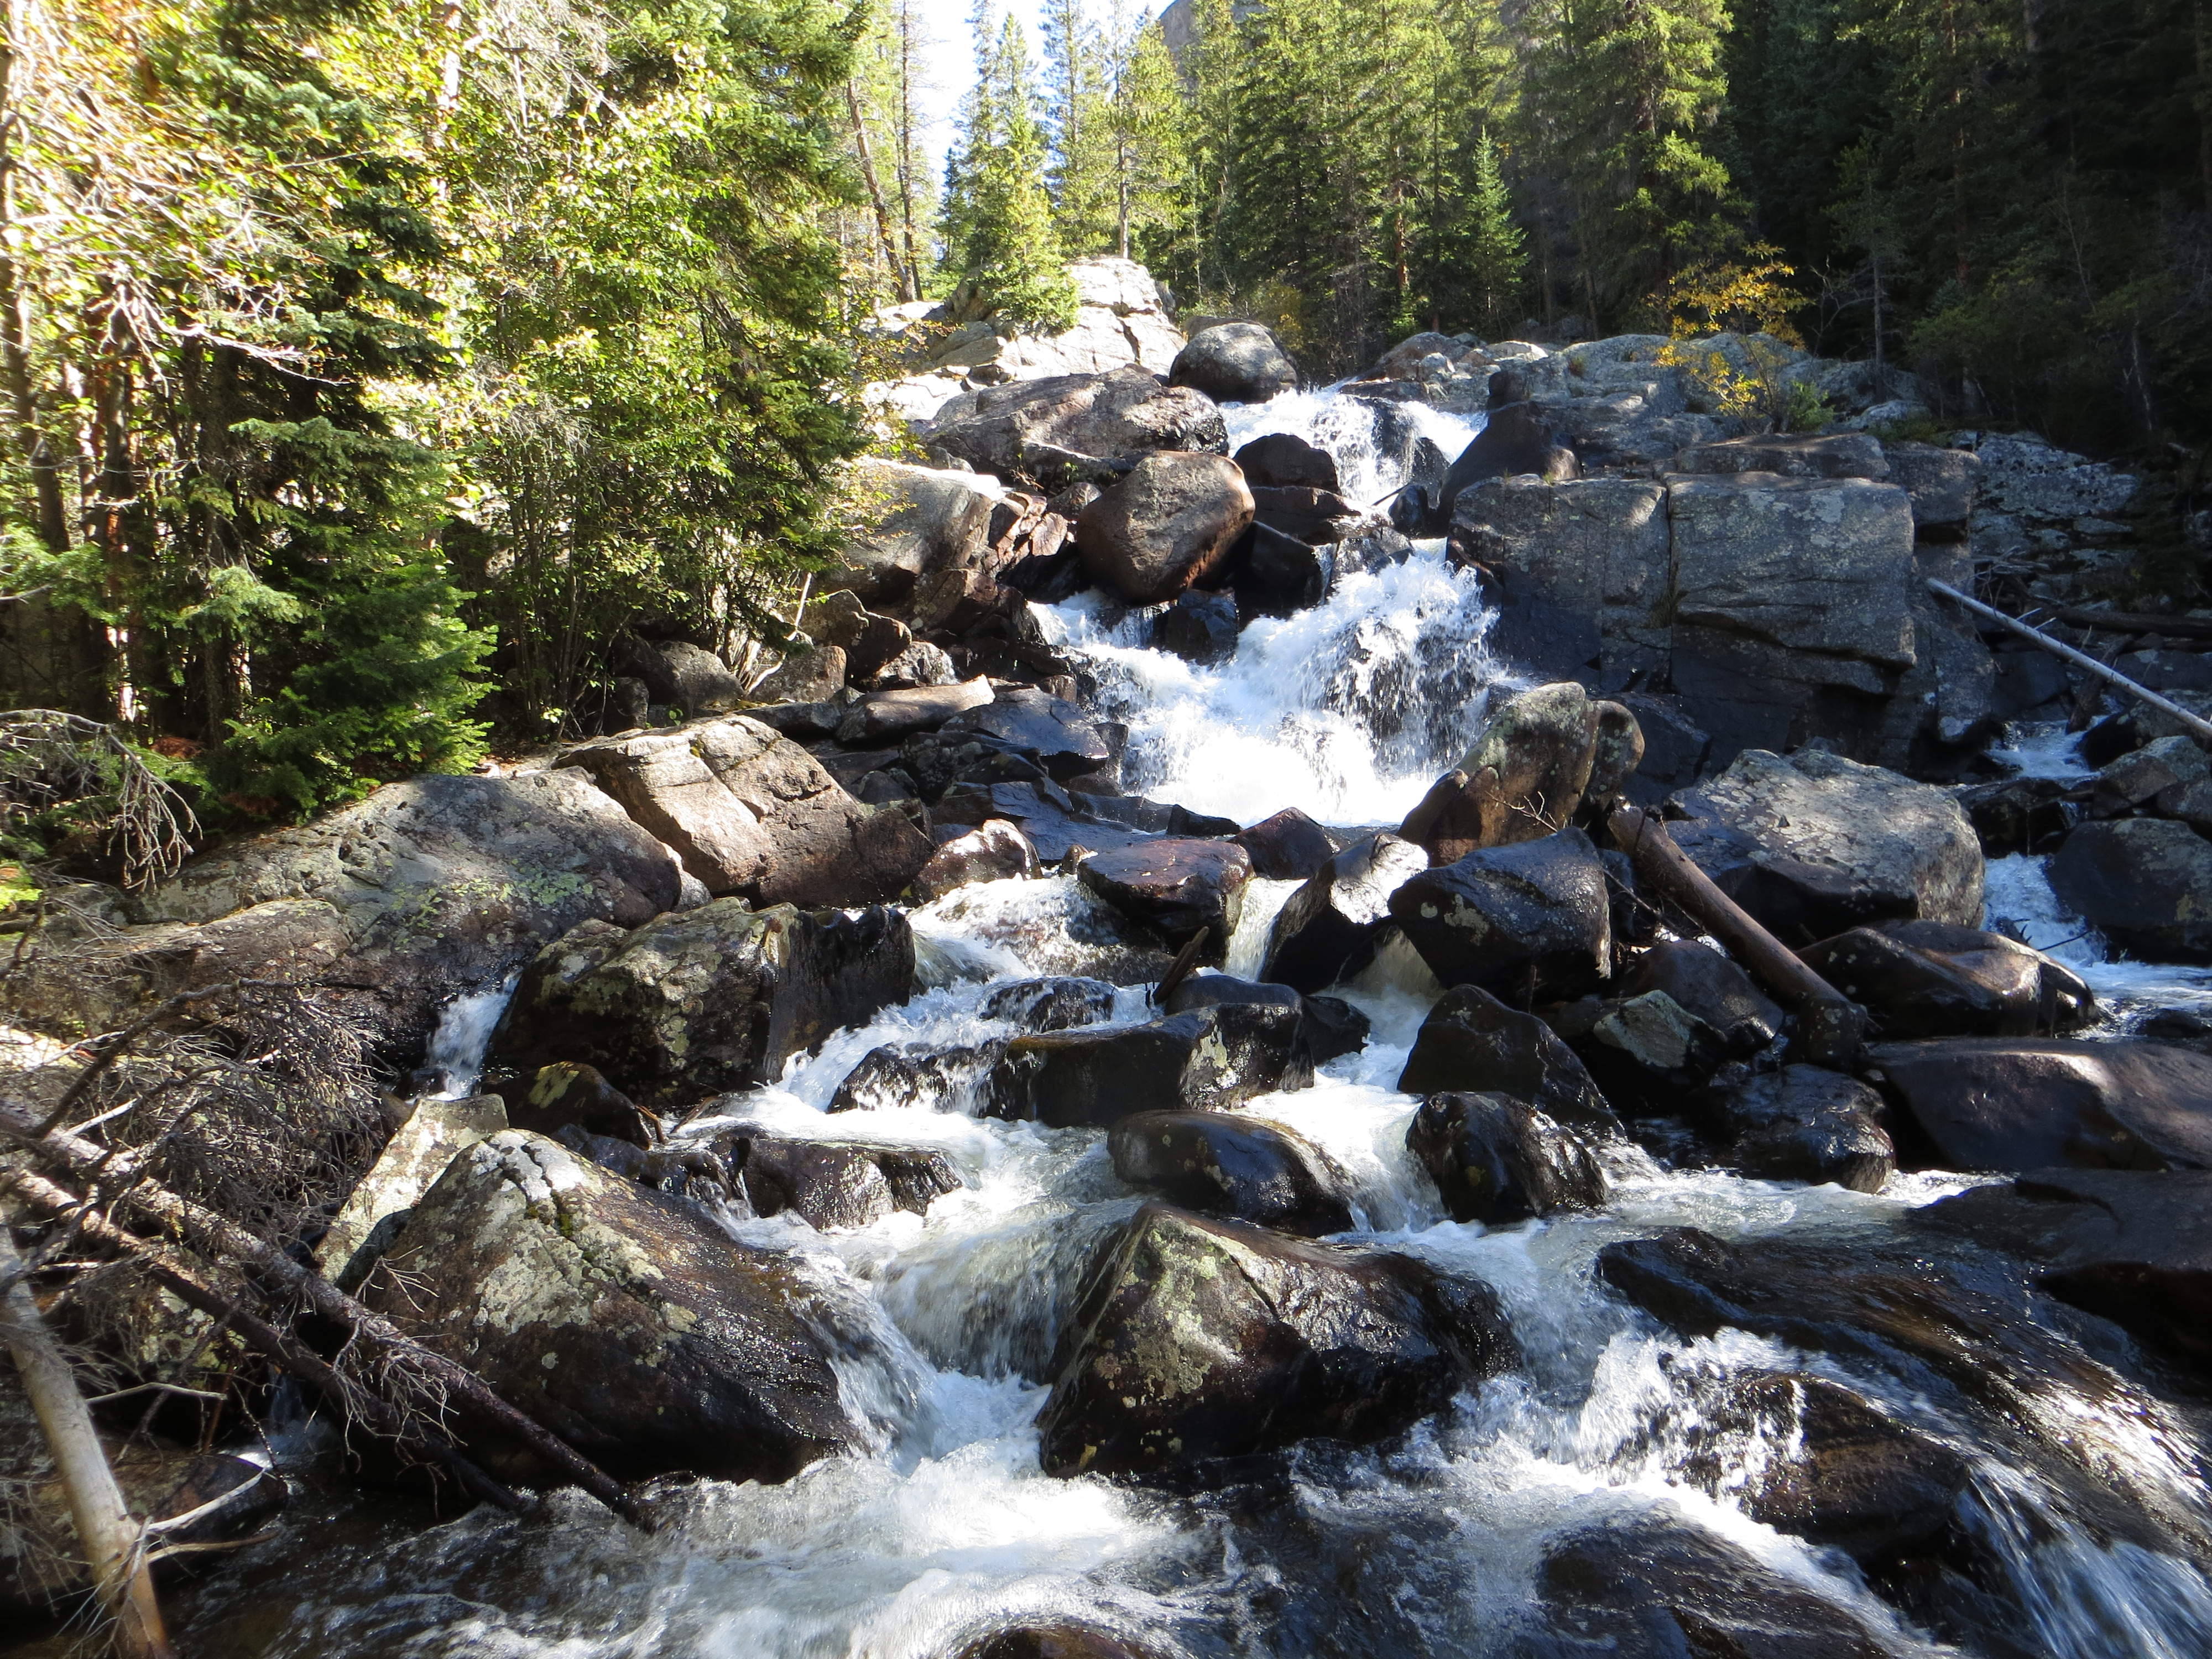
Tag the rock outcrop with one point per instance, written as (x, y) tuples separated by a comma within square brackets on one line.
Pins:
[(1235, 363)]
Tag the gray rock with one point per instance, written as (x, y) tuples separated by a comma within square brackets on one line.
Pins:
[(1497, 1159), (1710, 985), (751, 814), (671, 1348), (804, 677), (683, 675), (907, 522), (1524, 775), (1929, 979), (1208, 1060), (1517, 440), (994, 850), (1226, 1164), (1195, 1340), (1051, 730), (1235, 363), (706, 1001), (1472, 1042), (1536, 913), (1175, 886), (1328, 930), (1941, 484), (1171, 523), (919, 664), (416, 1155), (1813, 844), (1014, 431), (1790, 455), (888, 715), (2144, 884)]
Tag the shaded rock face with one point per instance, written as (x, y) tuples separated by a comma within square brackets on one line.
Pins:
[(1027, 430), (1929, 979), (1199, 627), (994, 850), (1053, 1642), (1709, 986), (1053, 732), (1533, 915), (1526, 773), (1175, 886), (835, 1184), (918, 1076), (1472, 1041), (704, 1001), (1288, 847), (1495, 1159), (1941, 484), (1801, 1123), (751, 814), (2145, 883), (2132, 1246), (1516, 439), (1656, 1589), (1206, 1060), (1221, 1164), (445, 884), (673, 1349), (1171, 523), (1195, 1340), (683, 675), (918, 520), (1235, 363), (1328, 930), (1283, 460), (571, 1093), (1813, 844), (1791, 455), (2008, 1105)]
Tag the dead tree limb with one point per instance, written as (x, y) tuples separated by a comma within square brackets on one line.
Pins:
[(111, 1537), (279, 1346), (120, 1174), (1830, 1025)]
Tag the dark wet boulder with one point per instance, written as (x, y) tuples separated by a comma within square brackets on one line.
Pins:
[(1335, 1027), (1199, 627), (1170, 525), (568, 1091), (1285, 460), (830, 1183), (700, 1002), (2005, 1104), (1235, 363), (1175, 886), (1314, 518), (1328, 930), (1710, 986), (2018, 815), (1813, 844), (924, 1076), (1228, 1164), (1931, 979), (994, 850), (1659, 1588), (1530, 917), (1645, 1052), (1496, 1159), (1524, 775), (1055, 1004), (1054, 1642), (2134, 1246), (1219, 990), (1288, 847), (1518, 438), (1800, 1123), (1203, 1060), (1281, 574), (1029, 721), (672, 1348), (1194, 1339), (1471, 1041), (1329, 1026), (2144, 884)]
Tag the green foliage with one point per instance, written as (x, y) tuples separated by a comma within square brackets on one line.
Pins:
[(998, 224)]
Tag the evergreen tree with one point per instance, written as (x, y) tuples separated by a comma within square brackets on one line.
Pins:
[(1080, 171), (1496, 256), (998, 227), (1149, 126)]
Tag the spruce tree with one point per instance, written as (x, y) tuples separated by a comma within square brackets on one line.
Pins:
[(1080, 172), (1496, 256), (998, 226), (1149, 127)]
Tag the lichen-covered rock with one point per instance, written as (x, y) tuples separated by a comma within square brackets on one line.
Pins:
[(1708, 985), (1235, 363), (416, 1155), (1196, 1339), (1206, 1060), (1495, 1159), (618, 1317), (1471, 1041), (1226, 1164), (752, 813), (1031, 427), (1525, 774), (2144, 884), (1532, 915), (704, 1001)]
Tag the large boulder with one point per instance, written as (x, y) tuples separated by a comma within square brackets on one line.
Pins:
[(1226, 1164), (1940, 483), (702, 1002), (1288, 847), (1790, 455), (621, 1319), (753, 814), (683, 676), (2144, 884), (1195, 1340), (1285, 460), (1809, 580), (1929, 979), (1328, 930), (2007, 1104), (1813, 844), (994, 850), (1524, 774), (1532, 914), (1029, 428), (1707, 985), (1801, 1123), (1495, 1159), (1472, 1042), (1175, 886), (1515, 441), (430, 1136), (1206, 1060), (906, 522), (439, 884), (1172, 522), (1235, 363)]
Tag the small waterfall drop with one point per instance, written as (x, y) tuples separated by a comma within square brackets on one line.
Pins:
[(456, 1051)]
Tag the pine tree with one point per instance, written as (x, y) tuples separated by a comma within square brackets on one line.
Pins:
[(1080, 171), (997, 221), (1150, 130), (1496, 256)]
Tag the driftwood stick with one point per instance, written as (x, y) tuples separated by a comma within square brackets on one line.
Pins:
[(120, 1173), (1829, 1023), (111, 1537), (2138, 621), (2199, 726), (279, 1346), (1179, 970)]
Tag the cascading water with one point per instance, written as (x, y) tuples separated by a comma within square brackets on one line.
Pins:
[(1429, 1545)]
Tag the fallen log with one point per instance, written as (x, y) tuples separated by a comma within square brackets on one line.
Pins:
[(119, 1173), (1830, 1025), (2196, 723), (112, 1540), (2138, 622), (277, 1346)]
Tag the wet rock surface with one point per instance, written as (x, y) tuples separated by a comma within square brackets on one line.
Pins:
[(1801, 1123), (1531, 917), (1175, 887), (1471, 1041), (1928, 979), (1222, 1163), (1207, 1059), (1328, 930), (1495, 1159)]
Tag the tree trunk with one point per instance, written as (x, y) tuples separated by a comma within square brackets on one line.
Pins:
[(106, 1530), (899, 273)]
